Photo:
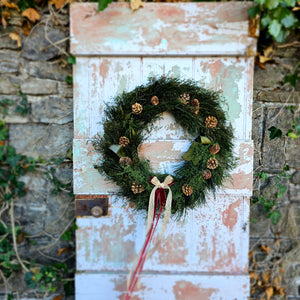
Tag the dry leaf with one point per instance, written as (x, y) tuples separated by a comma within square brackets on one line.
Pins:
[(58, 3), (8, 4), (31, 14), (264, 59), (15, 37), (269, 292), (266, 277), (62, 250), (35, 270), (277, 243), (281, 291), (252, 274), (250, 254), (295, 8), (59, 297), (136, 4), (26, 27), (266, 249), (268, 51), (3, 21), (20, 237)]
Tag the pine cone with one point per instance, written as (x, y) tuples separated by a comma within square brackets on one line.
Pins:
[(212, 163), (214, 149), (124, 161), (137, 188), (211, 122), (123, 141), (195, 110), (154, 100), (206, 174), (187, 189), (195, 102), (136, 108), (184, 98)]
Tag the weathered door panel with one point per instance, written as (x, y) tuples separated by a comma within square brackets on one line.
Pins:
[(204, 255)]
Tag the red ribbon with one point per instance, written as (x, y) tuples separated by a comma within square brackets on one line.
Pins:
[(160, 199)]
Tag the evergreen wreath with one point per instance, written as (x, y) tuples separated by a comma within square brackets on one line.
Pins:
[(130, 119)]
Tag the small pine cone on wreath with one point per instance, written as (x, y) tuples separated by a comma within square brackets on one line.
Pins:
[(214, 149), (123, 141), (212, 163), (187, 189), (206, 174), (154, 100), (195, 103), (124, 161), (184, 98), (137, 188), (136, 108), (211, 122)]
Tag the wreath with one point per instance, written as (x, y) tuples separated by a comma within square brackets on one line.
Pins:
[(130, 120)]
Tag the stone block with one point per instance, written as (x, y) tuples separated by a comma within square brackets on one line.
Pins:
[(279, 97), (292, 152), (5, 41), (9, 85), (65, 90), (47, 70), (36, 86), (12, 116), (9, 61), (296, 178), (257, 133), (274, 150), (39, 45), (51, 109), (273, 75), (37, 140)]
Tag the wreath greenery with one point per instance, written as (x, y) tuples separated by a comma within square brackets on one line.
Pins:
[(130, 119)]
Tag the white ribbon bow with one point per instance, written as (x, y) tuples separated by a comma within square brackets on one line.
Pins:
[(165, 185)]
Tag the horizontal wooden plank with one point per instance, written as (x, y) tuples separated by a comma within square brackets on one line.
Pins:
[(164, 157), (95, 286), (211, 238), (98, 80), (196, 29)]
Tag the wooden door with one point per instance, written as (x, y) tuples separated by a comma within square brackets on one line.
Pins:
[(205, 255)]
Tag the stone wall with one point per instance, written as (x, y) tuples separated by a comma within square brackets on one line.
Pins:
[(39, 70), (272, 99)]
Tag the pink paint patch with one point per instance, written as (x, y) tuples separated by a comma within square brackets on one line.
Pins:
[(230, 215), (184, 290)]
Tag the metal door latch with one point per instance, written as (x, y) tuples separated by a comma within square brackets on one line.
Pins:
[(91, 205)]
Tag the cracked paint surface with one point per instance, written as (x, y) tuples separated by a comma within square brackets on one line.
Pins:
[(205, 255)]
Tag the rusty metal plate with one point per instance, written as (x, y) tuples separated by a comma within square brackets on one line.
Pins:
[(91, 205)]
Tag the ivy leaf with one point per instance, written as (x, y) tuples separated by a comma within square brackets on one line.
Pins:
[(275, 28), (69, 79), (297, 127), (274, 216), (292, 135), (260, 2), (263, 176), (289, 21), (291, 79), (271, 4), (72, 60), (281, 190), (253, 11), (265, 21), (102, 4), (290, 3), (205, 140), (275, 133)]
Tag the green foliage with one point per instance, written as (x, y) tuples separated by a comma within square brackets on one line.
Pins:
[(121, 121), (46, 278), (277, 17), (72, 59), (102, 4), (69, 79), (24, 4), (274, 133), (4, 106), (23, 107), (67, 235)]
